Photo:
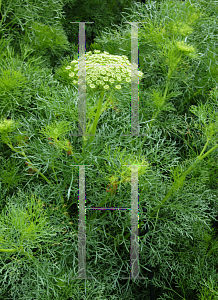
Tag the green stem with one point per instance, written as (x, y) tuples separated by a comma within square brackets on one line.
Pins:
[(8, 250), (154, 117), (164, 98), (208, 152), (16, 250), (170, 72), (22, 153), (177, 184), (94, 125), (75, 159), (205, 146), (55, 174)]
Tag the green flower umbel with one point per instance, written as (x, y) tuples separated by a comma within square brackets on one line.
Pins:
[(104, 71)]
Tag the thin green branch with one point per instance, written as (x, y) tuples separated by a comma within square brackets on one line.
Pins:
[(175, 186), (35, 169)]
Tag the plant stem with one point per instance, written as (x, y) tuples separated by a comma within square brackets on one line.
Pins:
[(8, 250), (75, 159), (93, 129), (35, 169), (164, 97), (177, 184), (55, 174), (205, 146), (94, 125), (170, 72), (16, 250)]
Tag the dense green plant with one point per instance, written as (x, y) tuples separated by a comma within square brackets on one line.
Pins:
[(208, 291), (12, 83), (28, 24), (178, 179), (210, 132), (47, 38)]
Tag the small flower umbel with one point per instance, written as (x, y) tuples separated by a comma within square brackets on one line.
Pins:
[(120, 167), (104, 72), (55, 132), (6, 127)]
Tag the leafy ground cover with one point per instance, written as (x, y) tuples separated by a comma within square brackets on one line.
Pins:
[(178, 183)]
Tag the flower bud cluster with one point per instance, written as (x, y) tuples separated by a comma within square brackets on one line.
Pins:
[(7, 126)]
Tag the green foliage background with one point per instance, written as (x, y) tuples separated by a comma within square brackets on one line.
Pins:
[(177, 116)]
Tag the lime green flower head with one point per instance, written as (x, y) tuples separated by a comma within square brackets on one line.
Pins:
[(122, 163), (7, 126), (185, 48), (104, 71)]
